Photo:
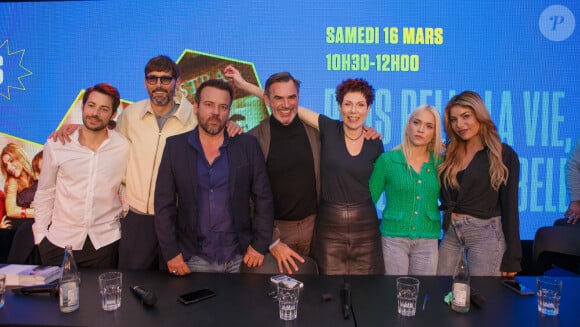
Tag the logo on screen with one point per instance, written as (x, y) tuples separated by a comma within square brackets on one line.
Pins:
[(11, 70), (557, 23)]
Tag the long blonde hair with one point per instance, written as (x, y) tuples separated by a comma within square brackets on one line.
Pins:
[(489, 137), (435, 144), (16, 152)]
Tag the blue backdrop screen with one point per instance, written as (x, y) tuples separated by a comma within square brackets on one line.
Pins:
[(522, 56)]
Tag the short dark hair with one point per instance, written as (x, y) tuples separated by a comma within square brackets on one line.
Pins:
[(107, 89), (355, 85), (218, 84), (278, 78), (162, 64)]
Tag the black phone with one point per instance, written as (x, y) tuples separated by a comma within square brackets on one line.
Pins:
[(517, 287), (196, 296)]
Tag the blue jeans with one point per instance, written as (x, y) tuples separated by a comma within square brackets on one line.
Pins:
[(198, 264), (404, 256), (483, 240)]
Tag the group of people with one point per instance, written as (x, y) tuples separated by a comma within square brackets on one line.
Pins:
[(474, 175), (202, 196)]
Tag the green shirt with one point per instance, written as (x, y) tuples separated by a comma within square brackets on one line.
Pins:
[(411, 198)]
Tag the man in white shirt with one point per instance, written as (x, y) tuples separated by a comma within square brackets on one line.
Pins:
[(77, 201)]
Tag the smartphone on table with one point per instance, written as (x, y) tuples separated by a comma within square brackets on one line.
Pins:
[(196, 296), (517, 287), (289, 281)]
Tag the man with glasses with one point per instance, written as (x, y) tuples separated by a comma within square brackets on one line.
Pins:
[(147, 124)]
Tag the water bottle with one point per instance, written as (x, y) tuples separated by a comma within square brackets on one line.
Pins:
[(69, 282), (461, 286)]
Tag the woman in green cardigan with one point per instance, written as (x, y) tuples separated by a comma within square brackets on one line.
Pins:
[(411, 224)]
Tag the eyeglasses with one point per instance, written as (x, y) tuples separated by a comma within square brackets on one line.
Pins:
[(152, 80)]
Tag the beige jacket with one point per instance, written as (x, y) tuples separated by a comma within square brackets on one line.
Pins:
[(138, 124)]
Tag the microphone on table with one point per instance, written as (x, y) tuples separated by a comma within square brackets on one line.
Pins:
[(51, 288), (147, 297), (345, 298)]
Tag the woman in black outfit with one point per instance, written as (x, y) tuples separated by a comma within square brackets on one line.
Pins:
[(479, 193), (347, 239)]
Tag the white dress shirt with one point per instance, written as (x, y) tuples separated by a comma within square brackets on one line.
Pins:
[(78, 192)]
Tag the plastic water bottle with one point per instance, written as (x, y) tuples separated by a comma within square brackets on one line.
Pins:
[(69, 282), (461, 288)]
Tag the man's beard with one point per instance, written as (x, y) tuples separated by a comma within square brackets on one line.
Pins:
[(212, 129), (160, 100), (95, 128)]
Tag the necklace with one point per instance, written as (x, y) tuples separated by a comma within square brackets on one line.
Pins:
[(354, 139)]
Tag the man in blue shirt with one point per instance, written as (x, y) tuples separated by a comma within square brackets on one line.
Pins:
[(204, 186)]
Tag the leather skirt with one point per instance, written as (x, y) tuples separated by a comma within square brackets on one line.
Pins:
[(347, 239)]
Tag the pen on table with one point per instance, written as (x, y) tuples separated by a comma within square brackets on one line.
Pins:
[(425, 299)]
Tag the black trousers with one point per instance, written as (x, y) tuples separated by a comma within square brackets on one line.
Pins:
[(87, 257), (139, 248)]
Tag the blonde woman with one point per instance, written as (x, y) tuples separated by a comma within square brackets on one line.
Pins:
[(479, 192), (20, 184), (411, 224)]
